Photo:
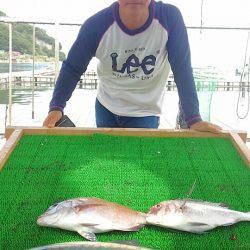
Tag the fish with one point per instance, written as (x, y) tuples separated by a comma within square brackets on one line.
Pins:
[(90, 246), (91, 215), (195, 216)]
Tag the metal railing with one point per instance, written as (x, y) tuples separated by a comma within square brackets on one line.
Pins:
[(34, 22)]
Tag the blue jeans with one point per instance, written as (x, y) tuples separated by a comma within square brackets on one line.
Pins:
[(106, 119)]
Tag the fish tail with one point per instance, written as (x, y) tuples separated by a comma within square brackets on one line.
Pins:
[(246, 217)]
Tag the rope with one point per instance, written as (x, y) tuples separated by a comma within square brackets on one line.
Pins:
[(201, 16), (242, 88)]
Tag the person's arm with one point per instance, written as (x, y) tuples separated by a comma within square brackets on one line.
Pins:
[(180, 61), (79, 56), (72, 68)]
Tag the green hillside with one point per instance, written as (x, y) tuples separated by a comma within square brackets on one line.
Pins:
[(22, 40)]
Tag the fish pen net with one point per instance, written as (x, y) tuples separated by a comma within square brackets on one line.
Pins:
[(206, 84), (137, 172)]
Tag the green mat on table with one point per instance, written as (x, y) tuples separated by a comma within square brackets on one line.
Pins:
[(134, 171)]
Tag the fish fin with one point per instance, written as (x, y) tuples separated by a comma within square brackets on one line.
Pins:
[(197, 231), (133, 229), (88, 224), (197, 224), (229, 224), (223, 205), (199, 227), (87, 235)]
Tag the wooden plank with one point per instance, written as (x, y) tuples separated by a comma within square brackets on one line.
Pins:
[(242, 134), (241, 147), (122, 131), (116, 131), (9, 130), (9, 146)]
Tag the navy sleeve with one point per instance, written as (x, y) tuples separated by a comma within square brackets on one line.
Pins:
[(180, 61), (79, 56)]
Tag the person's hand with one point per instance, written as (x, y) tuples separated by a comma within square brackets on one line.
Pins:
[(52, 118), (203, 126)]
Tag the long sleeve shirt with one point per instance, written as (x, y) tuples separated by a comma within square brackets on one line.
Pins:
[(134, 65)]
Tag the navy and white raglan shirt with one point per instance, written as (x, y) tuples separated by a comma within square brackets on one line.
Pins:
[(133, 64)]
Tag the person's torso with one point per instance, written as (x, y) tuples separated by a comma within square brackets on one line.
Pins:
[(133, 67)]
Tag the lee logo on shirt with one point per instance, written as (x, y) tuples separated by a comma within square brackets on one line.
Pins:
[(133, 63)]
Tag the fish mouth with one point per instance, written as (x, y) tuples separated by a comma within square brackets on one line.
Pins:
[(45, 220), (40, 221)]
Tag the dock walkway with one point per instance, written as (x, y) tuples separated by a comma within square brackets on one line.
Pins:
[(91, 82)]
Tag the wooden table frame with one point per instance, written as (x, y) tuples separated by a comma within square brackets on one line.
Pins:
[(14, 134)]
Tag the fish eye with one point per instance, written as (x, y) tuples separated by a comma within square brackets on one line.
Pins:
[(158, 206)]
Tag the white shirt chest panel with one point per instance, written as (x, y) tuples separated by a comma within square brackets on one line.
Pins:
[(125, 57)]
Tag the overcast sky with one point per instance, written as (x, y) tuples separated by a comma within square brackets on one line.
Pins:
[(216, 12), (210, 47)]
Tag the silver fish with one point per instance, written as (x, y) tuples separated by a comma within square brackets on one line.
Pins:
[(88, 216), (195, 216), (89, 246)]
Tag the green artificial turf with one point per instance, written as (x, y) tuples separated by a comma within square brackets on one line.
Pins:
[(134, 171)]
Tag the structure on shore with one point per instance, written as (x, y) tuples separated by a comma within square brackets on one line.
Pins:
[(90, 81)]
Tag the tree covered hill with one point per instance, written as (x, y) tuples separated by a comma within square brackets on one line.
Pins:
[(22, 40)]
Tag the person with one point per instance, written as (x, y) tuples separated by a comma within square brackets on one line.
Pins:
[(136, 42)]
